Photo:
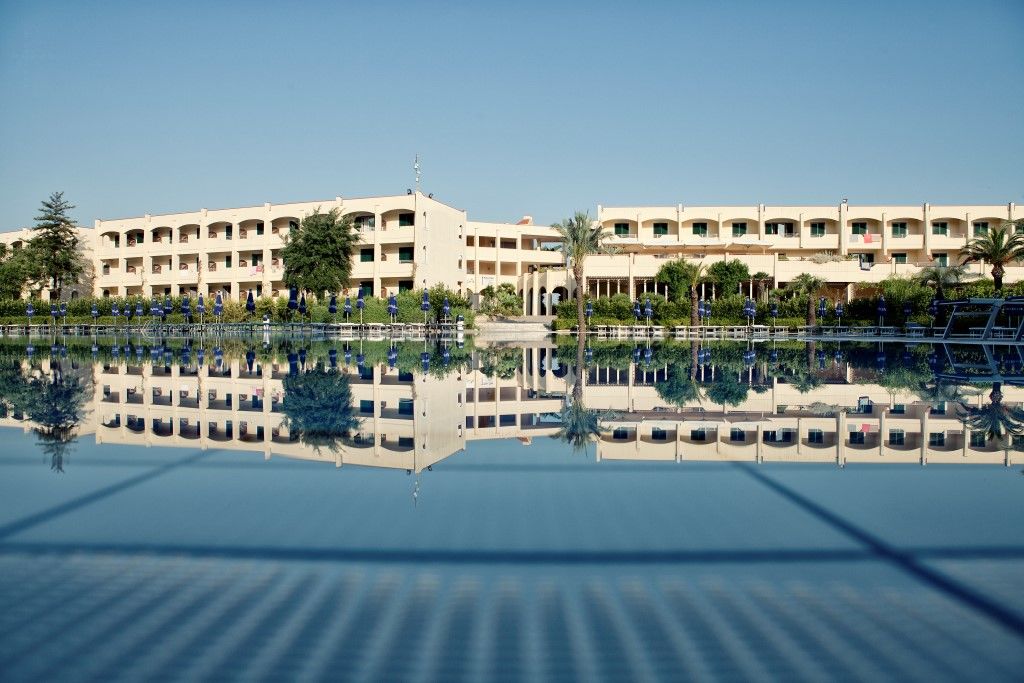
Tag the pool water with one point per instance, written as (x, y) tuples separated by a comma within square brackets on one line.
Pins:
[(300, 509)]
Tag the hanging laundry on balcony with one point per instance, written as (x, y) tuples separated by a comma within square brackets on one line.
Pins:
[(867, 238)]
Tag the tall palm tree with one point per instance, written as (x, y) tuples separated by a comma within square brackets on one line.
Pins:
[(997, 248), (807, 285), (580, 239), (943, 278), (579, 425), (679, 273)]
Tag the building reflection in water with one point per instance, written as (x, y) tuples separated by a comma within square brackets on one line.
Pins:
[(410, 405)]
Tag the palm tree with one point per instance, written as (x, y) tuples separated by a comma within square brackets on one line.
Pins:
[(997, 247), (807, 285), (682, 273), (580, 239), (942, 278), (760, 278)]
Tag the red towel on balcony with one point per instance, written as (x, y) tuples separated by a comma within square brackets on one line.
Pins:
[(867, 238)]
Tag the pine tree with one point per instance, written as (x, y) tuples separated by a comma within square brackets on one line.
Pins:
[(55, 244)]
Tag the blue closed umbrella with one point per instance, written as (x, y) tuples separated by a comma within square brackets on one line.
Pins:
[(636, 309), (302, 305), (30, 311), (218, 305), (648, 311), (53, 312), (446, 308), (168, 306), (64, 311), (114, 310), (95, 311), (139, 310), (332, 307), (347, 310), (882, 309), (155, 308), (293, 363), (360, 304), (186, 308), (907, 310), (393, 307), (293, 298), (392, 356), (774, 310), (822, 307), (425, 305), (425, 361), (332, 358), (589, 310), (250, 303)]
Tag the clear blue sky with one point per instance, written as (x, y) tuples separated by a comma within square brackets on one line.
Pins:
[(514, 107)]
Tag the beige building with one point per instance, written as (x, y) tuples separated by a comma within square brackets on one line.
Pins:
[(843, 245), (411, 240), (406, 242)]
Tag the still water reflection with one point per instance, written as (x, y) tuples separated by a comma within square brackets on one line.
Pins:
[(411, 405), (266, 508)]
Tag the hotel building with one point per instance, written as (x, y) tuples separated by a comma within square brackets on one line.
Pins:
[(412, 240)]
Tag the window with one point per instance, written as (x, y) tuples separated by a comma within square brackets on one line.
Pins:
[(739, 229), (405, 285), (857, 438), (405, 406), (937, 439), (864, 406), (977, 438), (980, 228), (942, 260), (621, 229), (228, 231), (817, 229), (366, 407), (940, 228), (366, 373), (899, 258), (227, 261), (620, 434), (660, 229), (737, 434), (866, 259), (815, 436), (860, 228), (405, 254), (366, 255), (406, 220), (256, 258), (897, 437), (259, 228), (366, 287), (899, 229), (898, 409), (698, 435), (938, 408), (659, 434), (700, 229), (771, 228)]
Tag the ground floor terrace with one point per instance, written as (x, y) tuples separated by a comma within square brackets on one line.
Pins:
[(635, 275)]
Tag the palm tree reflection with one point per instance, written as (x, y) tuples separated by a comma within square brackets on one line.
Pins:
[(996, 420), (579, 426)]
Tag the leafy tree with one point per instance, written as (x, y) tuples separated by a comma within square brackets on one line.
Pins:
[(943, 278), (682, 277), (807, 285), (54, 245), (997, 248), (501, 301), (729, 275), (680, 387), (318, 255), (727, 389), (17, 268), (580, 239)]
